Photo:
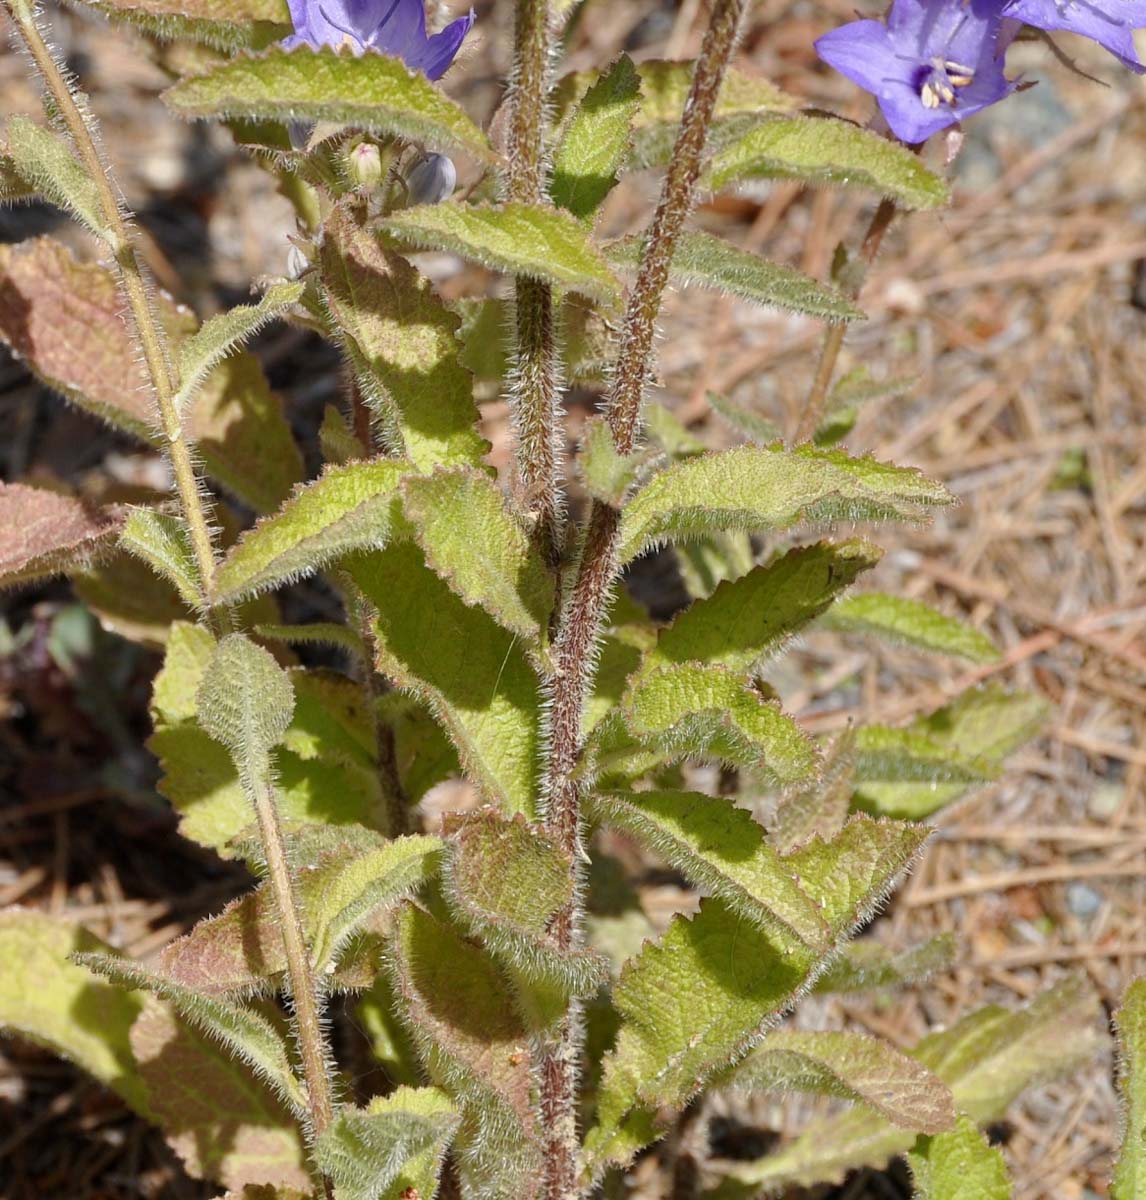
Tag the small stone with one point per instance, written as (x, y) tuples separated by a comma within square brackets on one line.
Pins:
[(1082, 900)]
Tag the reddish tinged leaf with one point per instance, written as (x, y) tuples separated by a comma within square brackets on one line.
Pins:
[(458, 1006), (223, 1124), (43, 533), (64, 318)]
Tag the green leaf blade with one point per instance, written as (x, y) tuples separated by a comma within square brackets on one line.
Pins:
[(472, 540), (912, 623), (547, 244), (347, 508), (959, 1163), (372, 91), (711, 262), (824, 150), (472, 674), (220, 335), (402, 342), (1129, 1182), (46, 160), (754, 488), (596, 141)]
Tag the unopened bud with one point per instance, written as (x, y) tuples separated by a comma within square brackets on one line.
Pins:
[(299, 133), (366, 166), (432, 179), (297, 262)]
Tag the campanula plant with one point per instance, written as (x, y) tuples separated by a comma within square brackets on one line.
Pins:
[(535, 1032)]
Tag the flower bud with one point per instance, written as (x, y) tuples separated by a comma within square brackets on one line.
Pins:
[(432, 179), (365, 163), (299, 133)]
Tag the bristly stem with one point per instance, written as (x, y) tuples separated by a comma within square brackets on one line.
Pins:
[(536, 376), (304, 992), (597, 568), (145, 325), (834, 337)]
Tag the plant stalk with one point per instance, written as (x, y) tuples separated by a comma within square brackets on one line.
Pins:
[(834, 337), (597, 569), (303, 989), (536, 375), (143, 320)]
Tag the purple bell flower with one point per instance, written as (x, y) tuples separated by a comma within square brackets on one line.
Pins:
[(932, 65), (1111, 23), (395, 27)]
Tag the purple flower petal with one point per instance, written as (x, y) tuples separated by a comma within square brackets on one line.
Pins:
[(442, 48), (395, 27), (933, 64), (1110, 23)]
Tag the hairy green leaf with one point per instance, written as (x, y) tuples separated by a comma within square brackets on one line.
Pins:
[(506, 882), (595, 142), (403, 344), (423, 754), (473, 541), (326, 768), (347, 508), (245, 700), (459, 1008), (392, 1149), (711, 262), (47, 160), (1129, 1181), (53, 1001), (851, 1066), (246, 1033), (370, 91), (44, 533), (607, 474), (825, 150), (986, 1060), (14, 187), (914, 771), (340, 888), (958, 1163), (747, 421), (714, 984), (866, 965), (471, 673), (855, 389), (163, 541), (689, 709), (227, 24), (720, 848), (664, 89), (819, 806), (911, 622), (64, 318), (747, 620), (754, 488), (518, 239), (219, 336), (223, 1124)]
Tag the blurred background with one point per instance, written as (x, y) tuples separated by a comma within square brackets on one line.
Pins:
[(1013, 327)]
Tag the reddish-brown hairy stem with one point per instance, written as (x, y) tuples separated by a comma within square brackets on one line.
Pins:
[(142, 319), (834, 337), (535, 386), (597, 569)]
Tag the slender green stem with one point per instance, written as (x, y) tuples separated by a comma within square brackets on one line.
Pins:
[(597, 569), (303, 988), (145, 325), (535, 386), (834, 336)]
